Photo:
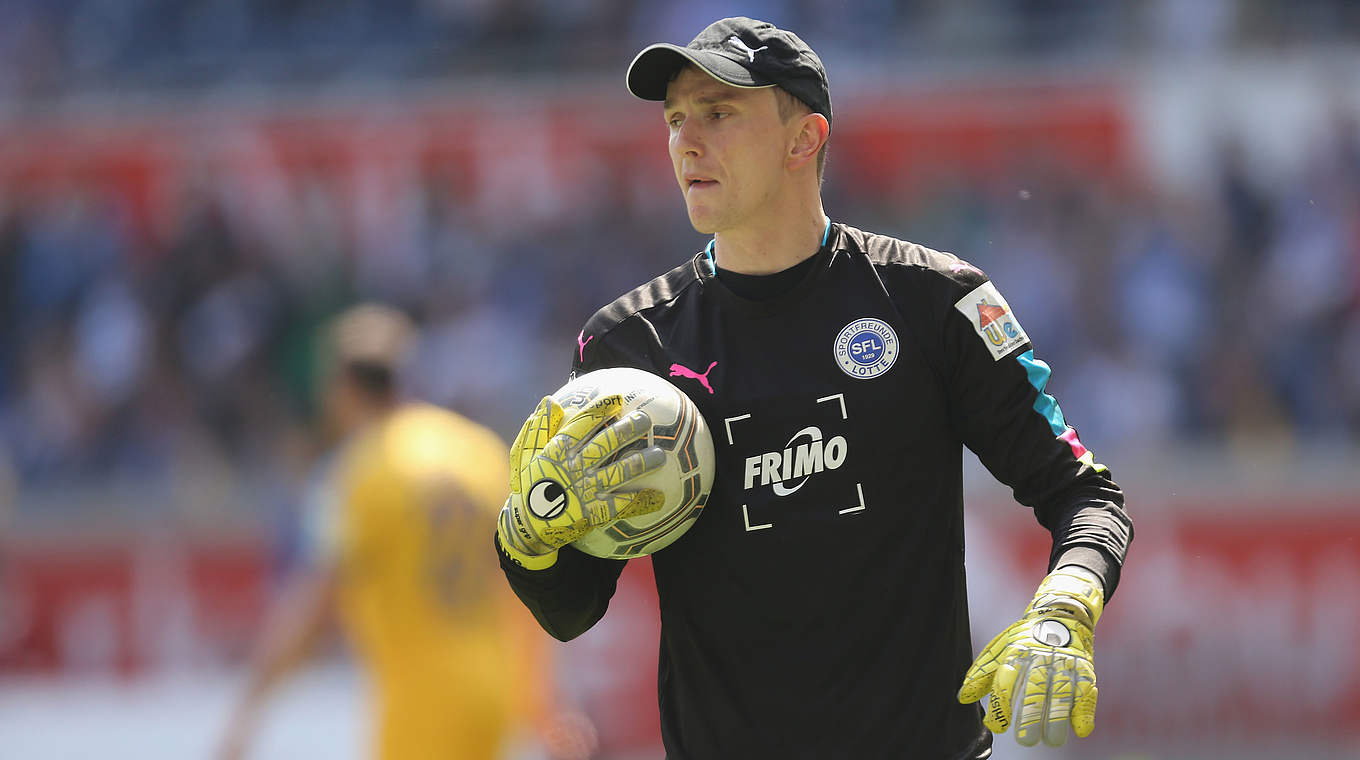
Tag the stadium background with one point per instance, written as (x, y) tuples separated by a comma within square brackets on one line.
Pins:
[(1167, 193)]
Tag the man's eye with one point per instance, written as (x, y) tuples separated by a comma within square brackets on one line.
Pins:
[(674, 121), (719, 115)]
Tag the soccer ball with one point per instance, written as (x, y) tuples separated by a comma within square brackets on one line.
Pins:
[(677, 429)]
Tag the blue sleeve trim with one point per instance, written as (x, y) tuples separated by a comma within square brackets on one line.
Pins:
[(1038, 373)]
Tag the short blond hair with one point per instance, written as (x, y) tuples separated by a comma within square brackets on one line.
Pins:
[(371, 343)]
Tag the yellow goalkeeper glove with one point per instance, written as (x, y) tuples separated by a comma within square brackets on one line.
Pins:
[(1040, 671), (564, 482)]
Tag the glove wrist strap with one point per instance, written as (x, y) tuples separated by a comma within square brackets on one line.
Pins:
[(1072, 591), (524, 559), (515, 546)]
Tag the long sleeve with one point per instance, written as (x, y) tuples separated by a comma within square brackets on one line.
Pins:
[(1003, 412), (572, 595), (569, 597)]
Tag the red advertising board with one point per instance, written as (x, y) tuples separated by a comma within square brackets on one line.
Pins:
[(1228, 626)]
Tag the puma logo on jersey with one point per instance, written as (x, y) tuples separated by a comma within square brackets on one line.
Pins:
[(788, 470), (736, 42), (680, 370)]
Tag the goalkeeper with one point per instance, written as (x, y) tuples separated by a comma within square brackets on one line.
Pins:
[(818, 607)]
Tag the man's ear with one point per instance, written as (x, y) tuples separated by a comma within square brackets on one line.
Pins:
[(813, 132)]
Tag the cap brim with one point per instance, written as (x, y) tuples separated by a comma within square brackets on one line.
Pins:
[(655, 66)]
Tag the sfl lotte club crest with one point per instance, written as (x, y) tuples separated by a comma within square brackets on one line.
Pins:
[(866, 348)]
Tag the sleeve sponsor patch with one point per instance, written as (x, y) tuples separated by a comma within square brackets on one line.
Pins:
[(992, 319)]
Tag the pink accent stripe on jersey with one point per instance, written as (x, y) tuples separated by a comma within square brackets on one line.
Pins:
[(1078, 449)]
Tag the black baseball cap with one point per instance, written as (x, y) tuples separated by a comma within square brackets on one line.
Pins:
[(742, 52)]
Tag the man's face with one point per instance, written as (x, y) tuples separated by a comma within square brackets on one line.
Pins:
[(728, 148)]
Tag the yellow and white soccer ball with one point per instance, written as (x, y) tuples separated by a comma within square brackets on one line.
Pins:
[(677, 429)]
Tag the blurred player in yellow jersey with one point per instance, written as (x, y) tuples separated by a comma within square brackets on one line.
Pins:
[(459, 668)]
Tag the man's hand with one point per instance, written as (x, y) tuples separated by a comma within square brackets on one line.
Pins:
[(562, 480), (1040, 671)]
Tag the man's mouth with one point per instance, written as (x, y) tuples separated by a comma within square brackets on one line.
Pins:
[(694, 182)]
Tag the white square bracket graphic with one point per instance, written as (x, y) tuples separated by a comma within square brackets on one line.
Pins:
[(727, 424), (859, 490), (746, 517), (836, 397)]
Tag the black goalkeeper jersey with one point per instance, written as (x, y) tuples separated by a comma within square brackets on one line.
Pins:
[(818, 608)]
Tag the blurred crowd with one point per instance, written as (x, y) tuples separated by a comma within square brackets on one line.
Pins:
[(186, 351), (1180, 318), (1232, 315), (49, 48), (147, 356)]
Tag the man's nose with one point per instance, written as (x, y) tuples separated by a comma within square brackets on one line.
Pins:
[(687, 140)]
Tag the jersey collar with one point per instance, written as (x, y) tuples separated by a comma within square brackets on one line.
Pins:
[(706, 271)]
